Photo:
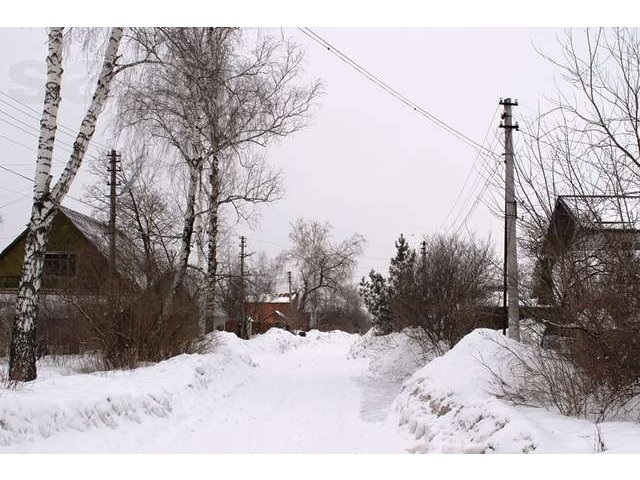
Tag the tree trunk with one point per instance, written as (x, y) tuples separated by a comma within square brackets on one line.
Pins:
[(22, 361), (195, 169), (22, 366), (212, 233)]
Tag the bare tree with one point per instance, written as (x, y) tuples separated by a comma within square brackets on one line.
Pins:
[(604, 70), (213, 99), (145, 207), (321, 264), (454, 280), (47, 198)]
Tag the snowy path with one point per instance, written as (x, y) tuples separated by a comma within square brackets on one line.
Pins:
[(307, 399)]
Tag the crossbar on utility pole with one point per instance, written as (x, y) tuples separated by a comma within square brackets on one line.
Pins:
[(510, 211)]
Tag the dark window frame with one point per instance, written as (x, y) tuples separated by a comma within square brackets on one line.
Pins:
[(60, 264)]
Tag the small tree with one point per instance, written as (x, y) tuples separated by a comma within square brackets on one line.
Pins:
[(375, 294), (402, 285), (455, 284)]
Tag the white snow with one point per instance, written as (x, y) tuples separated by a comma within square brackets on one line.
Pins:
[(280, 393), (450, 406)]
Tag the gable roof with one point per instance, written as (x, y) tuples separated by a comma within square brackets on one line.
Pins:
[(129, 258), (603, 212)]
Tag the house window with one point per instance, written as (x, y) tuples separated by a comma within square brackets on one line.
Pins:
[(61, 264)]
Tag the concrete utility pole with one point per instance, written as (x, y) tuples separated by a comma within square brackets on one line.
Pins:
[(291, 317), (114, 159), (245, 331), (510, 212)]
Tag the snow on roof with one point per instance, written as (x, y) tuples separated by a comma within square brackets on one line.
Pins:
[(94, 230), (604, 211), (128, 257)]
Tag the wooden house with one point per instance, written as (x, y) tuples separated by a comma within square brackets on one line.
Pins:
[(77, 243), (585, 223), (76, 257)]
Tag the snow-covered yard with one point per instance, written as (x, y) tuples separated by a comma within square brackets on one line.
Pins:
[(279, 393)]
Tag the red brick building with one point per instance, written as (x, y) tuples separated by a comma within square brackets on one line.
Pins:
[(277, 311)]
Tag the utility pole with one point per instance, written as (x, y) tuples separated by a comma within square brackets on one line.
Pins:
[(291, 314), (510, 213), (423, 251), (245, 331), (114, 159)]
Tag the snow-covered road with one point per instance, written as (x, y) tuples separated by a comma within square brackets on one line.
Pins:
[(304, 396)]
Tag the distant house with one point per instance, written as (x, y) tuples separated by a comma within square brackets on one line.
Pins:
[(275, 311), (581, 223)]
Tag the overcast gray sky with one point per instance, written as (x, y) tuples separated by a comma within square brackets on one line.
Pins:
[(367, 164)]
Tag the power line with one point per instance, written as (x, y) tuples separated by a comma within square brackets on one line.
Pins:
[(468, 177), (36, 115), (393, 92), (476, 201), (34, 132), (488, 180), (31, 180)]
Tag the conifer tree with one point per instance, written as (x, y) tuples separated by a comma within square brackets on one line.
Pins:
[(375, 294), (403, 294)]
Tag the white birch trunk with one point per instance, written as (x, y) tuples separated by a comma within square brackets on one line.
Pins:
[(212, 252), (195, 169), (22, 362)]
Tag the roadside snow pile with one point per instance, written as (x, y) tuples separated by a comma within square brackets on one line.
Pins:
[(450, 407), (274, 340), (48, 406), (394, 356), (62, 400)]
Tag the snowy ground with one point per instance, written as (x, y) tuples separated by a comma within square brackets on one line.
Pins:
[(279, 393), (451, 407)]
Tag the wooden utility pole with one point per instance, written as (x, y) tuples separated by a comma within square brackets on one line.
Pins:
[(510, 212), (245, 331)]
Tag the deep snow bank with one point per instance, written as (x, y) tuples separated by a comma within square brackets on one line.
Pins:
[(62, 400), (80, 402), (450, 407)]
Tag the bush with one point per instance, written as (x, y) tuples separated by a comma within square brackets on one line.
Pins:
[(541, 376), (118, 321)]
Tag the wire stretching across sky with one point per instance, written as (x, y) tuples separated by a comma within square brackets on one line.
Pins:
[(474, 166), (393, 92), (29, 179)]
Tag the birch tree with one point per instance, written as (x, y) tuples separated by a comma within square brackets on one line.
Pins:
[(47, 198), (212, 99)]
